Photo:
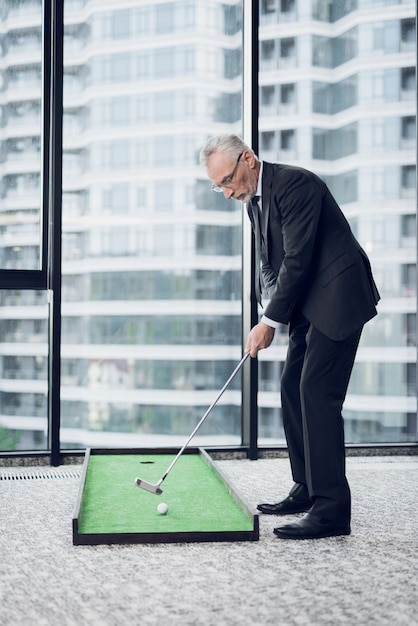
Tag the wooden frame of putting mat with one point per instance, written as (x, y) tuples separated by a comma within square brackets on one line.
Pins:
[(107, 489)]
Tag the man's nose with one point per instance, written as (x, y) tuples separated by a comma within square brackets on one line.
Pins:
[(227, 192)]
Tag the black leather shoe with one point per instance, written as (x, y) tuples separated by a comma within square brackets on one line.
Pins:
[(312, 527), (285, 507)]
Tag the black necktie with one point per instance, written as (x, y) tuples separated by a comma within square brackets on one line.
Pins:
[(255, 207)]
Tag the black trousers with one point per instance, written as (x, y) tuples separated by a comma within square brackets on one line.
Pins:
[(313, 389)]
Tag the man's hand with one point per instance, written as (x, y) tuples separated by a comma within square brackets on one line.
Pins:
[(259, 337)]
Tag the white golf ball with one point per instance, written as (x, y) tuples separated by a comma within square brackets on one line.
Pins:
[(162, 508)]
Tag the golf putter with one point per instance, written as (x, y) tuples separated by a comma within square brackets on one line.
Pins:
[(155, 488)]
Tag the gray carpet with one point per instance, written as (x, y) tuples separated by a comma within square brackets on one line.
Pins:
[(370, 577)]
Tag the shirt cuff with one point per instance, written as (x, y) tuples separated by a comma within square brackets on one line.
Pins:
[(269, 322)]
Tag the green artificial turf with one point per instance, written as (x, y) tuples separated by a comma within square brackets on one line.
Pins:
[(197, 499)]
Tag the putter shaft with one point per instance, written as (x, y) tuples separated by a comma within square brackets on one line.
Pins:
[(156, 488)]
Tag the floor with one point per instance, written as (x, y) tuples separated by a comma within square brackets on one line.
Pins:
[(367, 578)]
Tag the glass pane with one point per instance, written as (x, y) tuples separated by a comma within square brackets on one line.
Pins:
[(24, 370), (151, 325), (348, 112), (20, 130)]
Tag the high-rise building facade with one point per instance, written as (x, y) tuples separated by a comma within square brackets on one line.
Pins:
[(338, 96), (151, 268)]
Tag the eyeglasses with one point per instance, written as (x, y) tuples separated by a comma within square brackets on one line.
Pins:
[(228, 179)]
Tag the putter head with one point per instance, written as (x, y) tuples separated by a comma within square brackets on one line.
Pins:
[(148, 486)]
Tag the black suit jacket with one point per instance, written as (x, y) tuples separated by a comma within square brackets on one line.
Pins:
[(310, 258)]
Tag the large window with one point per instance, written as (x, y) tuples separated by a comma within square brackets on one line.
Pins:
[(151, 315), (148, 310), (356, 129)]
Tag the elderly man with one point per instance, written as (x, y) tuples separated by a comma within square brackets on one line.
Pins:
[(319, 282)]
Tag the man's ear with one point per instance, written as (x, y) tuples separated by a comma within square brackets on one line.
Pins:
[(249, 158)]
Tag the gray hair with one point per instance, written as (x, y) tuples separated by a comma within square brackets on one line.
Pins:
[(231, 145)]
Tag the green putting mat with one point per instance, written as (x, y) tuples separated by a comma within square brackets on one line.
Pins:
[(201, 505)]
